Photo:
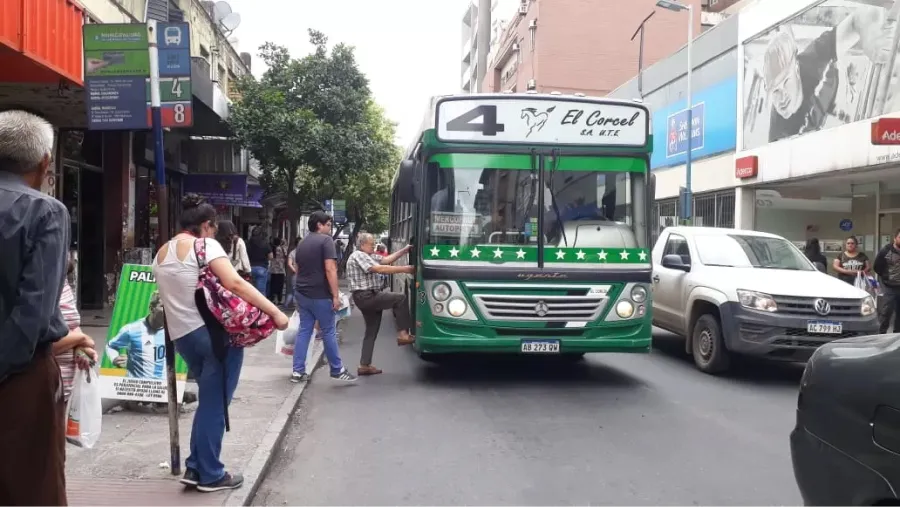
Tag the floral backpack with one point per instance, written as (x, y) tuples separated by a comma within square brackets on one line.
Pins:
[(245, 324)]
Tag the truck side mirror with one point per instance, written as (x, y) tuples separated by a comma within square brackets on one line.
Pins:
[(673, 261)]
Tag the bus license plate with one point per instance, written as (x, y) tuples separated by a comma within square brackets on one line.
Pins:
[(824, 327), (540, 346)]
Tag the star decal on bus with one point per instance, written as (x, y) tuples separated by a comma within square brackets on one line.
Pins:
[(498, 253), (580, 255), (454, 252), (642, 255), (560, 255), (602, 255), (435, 251), (520, 254), (475, 253), (624, 255)]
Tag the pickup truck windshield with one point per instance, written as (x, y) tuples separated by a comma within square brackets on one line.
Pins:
[(746, 251)]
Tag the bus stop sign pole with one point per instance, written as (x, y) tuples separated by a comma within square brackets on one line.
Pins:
[(162, 196)]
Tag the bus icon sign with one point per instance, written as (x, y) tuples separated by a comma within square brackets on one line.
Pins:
[(173, 36)]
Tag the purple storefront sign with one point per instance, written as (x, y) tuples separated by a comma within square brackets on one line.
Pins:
[(224, 189)]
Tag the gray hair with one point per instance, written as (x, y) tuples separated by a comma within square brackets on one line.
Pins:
[(25, 139), (365, 238)]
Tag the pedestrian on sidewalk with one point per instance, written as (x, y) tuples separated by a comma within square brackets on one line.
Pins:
[(317, 297), (76, 349), (277, 267), (177, 271), (887, 266), (364, 270), (35, 244), (227, 236), (260, 253), (291, 274)]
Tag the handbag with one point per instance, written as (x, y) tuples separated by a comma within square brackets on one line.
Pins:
[(245, 324)]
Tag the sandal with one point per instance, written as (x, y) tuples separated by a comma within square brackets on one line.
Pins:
[(406, 341)]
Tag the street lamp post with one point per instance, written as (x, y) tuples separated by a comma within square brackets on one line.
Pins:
[(678, 7), (640, 30)]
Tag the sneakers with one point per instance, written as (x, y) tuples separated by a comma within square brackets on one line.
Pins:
[(344, 376), (191, 477), (230, 481)]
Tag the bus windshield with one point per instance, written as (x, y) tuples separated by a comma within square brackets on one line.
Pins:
[(587, 203)]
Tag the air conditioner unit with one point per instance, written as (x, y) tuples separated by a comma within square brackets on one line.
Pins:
[(531, 85), (515, 46), (523, 9), (532, 25)]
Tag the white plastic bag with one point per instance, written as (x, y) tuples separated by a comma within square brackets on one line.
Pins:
[(84, 411), (281, 347), (861, 282), (290, 334)]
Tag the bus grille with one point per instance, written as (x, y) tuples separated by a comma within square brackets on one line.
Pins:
[(579, 305)]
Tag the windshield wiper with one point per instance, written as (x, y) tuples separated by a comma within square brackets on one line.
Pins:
[(559, 223)]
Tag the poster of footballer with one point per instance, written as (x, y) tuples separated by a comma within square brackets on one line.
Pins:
[(133, 367)]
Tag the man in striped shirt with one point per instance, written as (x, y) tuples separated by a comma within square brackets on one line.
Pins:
[(144, 342)]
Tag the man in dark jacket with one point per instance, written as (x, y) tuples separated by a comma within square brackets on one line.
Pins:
[(34, 239), (887, 267)]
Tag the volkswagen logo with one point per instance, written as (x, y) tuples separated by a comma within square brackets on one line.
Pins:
[(822, 307), (541, 309)]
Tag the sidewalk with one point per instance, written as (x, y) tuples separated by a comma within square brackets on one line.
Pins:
[(129, 466)]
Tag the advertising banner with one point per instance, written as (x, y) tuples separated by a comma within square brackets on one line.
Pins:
[(827, 66), (714, 127), (133, 367)]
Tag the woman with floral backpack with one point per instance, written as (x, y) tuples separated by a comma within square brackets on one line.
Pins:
[(192, 272)]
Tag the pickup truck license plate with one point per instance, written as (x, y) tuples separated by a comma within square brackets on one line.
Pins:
[(540, 346), (824, 327)]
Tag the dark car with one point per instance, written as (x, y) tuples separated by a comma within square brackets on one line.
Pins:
[(846, 444)]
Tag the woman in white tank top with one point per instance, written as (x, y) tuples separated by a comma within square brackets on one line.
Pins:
[(177, 272)]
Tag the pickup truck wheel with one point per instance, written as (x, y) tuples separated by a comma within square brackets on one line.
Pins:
[(708, 347)]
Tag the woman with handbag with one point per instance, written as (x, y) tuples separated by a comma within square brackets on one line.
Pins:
[(227, 235), (212, 358)]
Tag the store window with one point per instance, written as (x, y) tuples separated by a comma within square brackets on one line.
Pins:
[(710, 210)]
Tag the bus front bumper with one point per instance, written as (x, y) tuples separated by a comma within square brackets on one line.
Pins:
[(442, 338)]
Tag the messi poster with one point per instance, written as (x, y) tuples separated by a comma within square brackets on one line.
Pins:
[(134, 360)]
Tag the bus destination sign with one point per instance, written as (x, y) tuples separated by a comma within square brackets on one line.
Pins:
[(541, 120)]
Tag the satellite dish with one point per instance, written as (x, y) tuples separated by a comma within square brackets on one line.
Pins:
[(230, 22), (220, 11)]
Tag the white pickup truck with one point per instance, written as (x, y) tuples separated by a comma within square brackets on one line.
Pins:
[(730, 292)]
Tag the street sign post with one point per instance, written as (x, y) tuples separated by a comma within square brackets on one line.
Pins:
[(117, 75)]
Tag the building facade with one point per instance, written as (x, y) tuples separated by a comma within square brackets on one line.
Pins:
[(106, 178), (576, 46), (796, 122)]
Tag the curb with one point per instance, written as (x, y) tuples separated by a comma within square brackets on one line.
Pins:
[(256, 469)]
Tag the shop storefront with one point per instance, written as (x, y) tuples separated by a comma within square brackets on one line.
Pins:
[(236, 197), (806, 163)]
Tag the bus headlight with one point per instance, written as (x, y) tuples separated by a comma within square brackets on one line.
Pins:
[(868, 306), (457, 307), (638, 294), (441, 292), (625, 309)]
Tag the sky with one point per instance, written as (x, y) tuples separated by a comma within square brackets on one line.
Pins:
[(409, 49)]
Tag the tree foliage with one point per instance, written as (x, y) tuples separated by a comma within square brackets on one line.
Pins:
[(316, 132)]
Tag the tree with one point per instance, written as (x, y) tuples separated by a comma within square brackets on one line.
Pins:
[(307, 122)]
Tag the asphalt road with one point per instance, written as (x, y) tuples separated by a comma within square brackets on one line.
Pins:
[(616, 429)]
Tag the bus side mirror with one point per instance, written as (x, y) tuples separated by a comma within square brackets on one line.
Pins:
[(408, 181)]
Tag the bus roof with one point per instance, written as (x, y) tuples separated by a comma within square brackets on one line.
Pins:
[(521, 118)]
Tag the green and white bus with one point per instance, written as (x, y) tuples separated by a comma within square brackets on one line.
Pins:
[(529, 215)]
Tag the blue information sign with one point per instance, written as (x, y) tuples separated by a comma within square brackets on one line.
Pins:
[(677, 131), (846, 225), (116, 103)]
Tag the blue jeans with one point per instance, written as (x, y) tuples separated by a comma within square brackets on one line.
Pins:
[(208, 428), (312, 310), (260, 277)]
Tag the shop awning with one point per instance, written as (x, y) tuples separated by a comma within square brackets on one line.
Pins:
[(224, 189), (40, 41)]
